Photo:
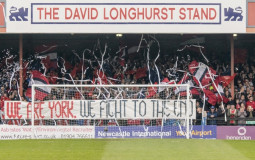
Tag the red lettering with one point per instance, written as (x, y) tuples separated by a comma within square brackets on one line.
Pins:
[(40, 12), (55, 13), (28, 109), (64, 106), (133, 13), (212, 13), (18, 109), (13, 110), (83, 14), (40, 110), (172, 10), (196, 14), (76, 14), (182, 12), (105, 18), (58, 105), (35, 110), (156, 13), (69, 109), (123, 13), (140, 13), (189, 9), (204, 13), (49, 13), (10, 110), (51, 107), (164, 13), (116, 13), (94, 16), (68, 10)]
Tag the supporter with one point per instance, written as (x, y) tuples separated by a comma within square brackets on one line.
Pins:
[(199, 115), (232, 115), (238, 104), (241, 115), (221, 113), (212, 115), (242, 99), (250, 112), (250, 102), (204, 118)]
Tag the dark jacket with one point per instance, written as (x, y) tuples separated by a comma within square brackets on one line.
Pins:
[(212, 121)]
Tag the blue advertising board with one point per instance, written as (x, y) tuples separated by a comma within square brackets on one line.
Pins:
[(203, 132)]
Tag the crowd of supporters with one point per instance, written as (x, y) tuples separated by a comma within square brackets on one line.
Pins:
[(239, 108)]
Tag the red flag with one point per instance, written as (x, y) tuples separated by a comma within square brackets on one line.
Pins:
[(40, 92), (141, 72), (130, 72), (68, 65), (165, 81), (220, 92), (212, 98), (226, 80), (73, 73), (201, 73), (42, 49), (183, 90), (152, 91), (53, 78)]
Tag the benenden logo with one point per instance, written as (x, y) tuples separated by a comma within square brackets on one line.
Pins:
[(241, 135)]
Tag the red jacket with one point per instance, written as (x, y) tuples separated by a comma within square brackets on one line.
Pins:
[(250, 103)]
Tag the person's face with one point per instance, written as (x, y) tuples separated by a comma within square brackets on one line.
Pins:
[(199, 110), (251, 98), (232, 106)]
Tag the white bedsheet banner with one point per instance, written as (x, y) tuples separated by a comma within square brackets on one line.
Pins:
[(101, 109)]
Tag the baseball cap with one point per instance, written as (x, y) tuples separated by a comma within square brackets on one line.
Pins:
[(212, 107)]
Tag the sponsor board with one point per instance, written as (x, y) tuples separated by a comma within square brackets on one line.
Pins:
[(206, 132), (101, 109), (84, 16), (46, 132), (236, 132)]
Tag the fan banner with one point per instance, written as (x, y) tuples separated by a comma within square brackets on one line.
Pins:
[(101, 109), (140, 16)]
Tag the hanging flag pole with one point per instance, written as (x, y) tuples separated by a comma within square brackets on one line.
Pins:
[(232, 62), (21, 64)]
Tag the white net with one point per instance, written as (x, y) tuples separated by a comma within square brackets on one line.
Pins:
[(117, 111)]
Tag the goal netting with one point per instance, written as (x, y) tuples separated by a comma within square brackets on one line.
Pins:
[(109, 111)]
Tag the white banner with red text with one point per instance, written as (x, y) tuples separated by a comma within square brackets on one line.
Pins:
[(46, 132), (101, 109), (133, 16)]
